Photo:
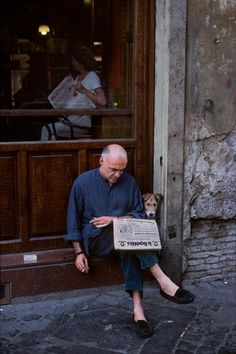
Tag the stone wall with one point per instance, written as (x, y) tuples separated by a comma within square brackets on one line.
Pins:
[(209, 230)]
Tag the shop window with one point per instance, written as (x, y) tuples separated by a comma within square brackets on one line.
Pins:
[(36, 44)]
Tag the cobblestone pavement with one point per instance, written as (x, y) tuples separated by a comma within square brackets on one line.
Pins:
[(99, 321)]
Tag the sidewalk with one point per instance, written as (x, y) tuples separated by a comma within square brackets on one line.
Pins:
[(99, 320)]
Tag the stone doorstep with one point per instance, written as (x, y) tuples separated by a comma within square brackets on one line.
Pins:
[(36, 258), (49, 271)]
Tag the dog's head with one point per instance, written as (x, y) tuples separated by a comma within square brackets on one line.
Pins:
[(151, 204)]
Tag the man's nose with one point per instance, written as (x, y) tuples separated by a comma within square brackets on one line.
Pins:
[(118, 173)]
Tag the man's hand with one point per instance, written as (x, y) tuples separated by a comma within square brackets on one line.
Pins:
[(102, 221), (81, 263)]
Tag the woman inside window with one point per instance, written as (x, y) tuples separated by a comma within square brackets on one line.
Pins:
[(80, 89)]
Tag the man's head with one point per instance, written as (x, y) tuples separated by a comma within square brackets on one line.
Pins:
[(113, 161)]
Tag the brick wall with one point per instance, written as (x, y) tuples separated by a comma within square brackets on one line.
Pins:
[(210, 253)]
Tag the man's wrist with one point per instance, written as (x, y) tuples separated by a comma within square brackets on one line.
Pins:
[(78, 253)]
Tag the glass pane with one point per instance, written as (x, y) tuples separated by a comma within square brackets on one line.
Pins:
[(74, 54)]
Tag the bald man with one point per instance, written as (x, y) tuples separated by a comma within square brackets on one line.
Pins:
[(98, 197)]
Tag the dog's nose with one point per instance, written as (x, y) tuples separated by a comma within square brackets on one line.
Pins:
[(151, 214)]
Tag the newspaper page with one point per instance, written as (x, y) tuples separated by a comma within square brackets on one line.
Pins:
[(136, 234), (65, 96)]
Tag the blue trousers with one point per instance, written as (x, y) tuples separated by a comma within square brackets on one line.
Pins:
[(132, 262)]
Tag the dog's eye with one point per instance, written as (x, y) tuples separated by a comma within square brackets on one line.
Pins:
[(155, 204), (148, 204)]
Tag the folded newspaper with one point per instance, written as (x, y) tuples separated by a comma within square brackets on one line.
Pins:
[(136, 234), (65, 96)]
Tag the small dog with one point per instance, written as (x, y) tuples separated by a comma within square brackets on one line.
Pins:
[(151, 204)]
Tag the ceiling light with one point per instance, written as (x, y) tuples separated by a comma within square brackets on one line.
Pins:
[(44, 30)]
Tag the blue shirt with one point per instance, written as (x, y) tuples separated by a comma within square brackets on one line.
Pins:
[(92, 196)]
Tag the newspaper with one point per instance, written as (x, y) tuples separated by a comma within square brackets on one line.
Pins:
[(65, 96), (136, 234)]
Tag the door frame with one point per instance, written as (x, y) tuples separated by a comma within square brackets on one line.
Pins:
[(169, 126)]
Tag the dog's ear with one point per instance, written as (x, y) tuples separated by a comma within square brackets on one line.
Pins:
[(158, 196), (146, 196)]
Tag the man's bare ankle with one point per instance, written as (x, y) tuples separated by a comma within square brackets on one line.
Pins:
[(139, 317), (169, 288)]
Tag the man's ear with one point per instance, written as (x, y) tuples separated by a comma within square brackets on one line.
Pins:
[(101, 160)]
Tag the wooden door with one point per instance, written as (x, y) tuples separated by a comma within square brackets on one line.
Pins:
[(36, 177)]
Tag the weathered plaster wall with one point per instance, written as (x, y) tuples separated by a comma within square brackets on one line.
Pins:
[(169, 128), (210, 141)]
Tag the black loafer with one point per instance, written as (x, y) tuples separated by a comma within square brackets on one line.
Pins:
[(181, 296), (143, 329)]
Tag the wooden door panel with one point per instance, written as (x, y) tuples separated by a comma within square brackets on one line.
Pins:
[(9, 214), (50, 180), (93, 158)]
